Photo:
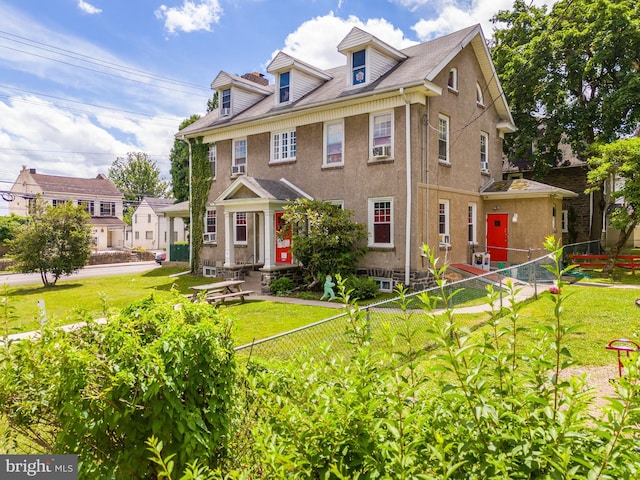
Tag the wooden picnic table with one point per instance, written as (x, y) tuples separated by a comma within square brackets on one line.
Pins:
[(220, 291)]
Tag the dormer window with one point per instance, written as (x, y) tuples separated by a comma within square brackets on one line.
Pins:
[(358, 67), (225, 104), (284, 87), (452, 81)]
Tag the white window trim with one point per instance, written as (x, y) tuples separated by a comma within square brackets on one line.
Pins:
[(212, 156), (454, 87), (278, 87), (479, 95), (565, 221), (484, 168), (210, 237), (474, 219), (366, 69), (447, 223), (370, 223), (233, 159), (235, 229), (446, 161), (325, 145), (372, 119), (272, 158)]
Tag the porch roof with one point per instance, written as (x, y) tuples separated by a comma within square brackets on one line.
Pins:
[(523, 188), (247, 189)]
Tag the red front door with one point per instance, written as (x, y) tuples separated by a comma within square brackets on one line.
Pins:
[(283, 244), (497, 236)]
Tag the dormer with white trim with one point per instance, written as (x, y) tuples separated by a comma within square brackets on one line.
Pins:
[(294, 78), (236, 94), (368, 57)]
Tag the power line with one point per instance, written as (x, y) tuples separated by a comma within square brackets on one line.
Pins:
[(91, 60)]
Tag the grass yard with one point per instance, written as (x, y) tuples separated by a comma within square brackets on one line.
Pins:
[(63, 302)]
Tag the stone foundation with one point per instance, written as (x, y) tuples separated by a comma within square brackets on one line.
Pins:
[(268, 276), (418, 279)]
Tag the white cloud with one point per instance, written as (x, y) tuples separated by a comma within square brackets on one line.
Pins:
[(191, 16), (315, 40), (454, 15), (87, 8)]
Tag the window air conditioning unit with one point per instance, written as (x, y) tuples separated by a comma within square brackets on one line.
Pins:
[(382, 151), (225, 112), (238, 169), (444, 239), (484, 166), (209, 237), (208, 271)]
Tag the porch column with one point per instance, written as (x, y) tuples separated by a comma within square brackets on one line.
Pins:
[(269, 238), (261, 237), (229, 252), (170, 239)]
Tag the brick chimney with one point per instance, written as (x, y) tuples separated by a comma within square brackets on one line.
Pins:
[(256, 77)]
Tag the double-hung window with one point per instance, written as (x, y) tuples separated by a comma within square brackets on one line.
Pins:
[(225, 104), (283, 146), (210, 227), (240, 228), (381, 222), (87, 205), (213, 159), (284, 80), (444, 238), (452, 81), (484, 152), (239, 163), (107, 209), (443, 139), (358, 67), (334, 144), (381, 135)]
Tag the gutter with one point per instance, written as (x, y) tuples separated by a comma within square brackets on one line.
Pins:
[(190, 207), (407, 232)]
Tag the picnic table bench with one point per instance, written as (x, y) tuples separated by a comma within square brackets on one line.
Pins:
[(220, 291)]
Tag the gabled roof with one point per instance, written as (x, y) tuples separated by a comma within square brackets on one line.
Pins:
[(224, 79), (357, 39), (157, 204), (522, 188), (272, 190), (423, 63), (283, 61), (100, 185)]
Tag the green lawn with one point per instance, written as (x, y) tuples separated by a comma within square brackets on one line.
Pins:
[(259, 318)]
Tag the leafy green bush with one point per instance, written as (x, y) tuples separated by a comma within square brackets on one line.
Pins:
[(362, 288), (102, 392), (281, 286)]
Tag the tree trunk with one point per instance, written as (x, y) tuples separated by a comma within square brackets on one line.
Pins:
[(617, 247)]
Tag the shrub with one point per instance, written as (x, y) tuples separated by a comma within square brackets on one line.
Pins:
[(102, 392), (362, 288), (281, 286)]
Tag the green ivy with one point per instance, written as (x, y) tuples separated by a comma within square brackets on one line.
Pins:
[(201, 177)]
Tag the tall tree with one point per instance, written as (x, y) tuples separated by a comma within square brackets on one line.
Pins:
[(619, 164), (56, 242), (180, 164), (136, 177), (569, 73)]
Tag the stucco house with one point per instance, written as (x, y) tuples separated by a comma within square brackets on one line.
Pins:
[(152, 229), (100, 197), (410, 140)]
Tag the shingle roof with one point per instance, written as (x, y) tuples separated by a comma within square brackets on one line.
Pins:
[(99, 185), (425, 61), (278, 189), (525, 187), (158, 204)]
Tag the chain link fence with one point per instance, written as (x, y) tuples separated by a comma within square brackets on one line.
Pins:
[(332, 334)]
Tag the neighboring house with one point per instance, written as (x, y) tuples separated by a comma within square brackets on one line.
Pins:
[(151, 229), (100, 197), (569, 173), (410, 140)]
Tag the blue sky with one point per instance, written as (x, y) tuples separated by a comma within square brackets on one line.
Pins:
[(83, 82)]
